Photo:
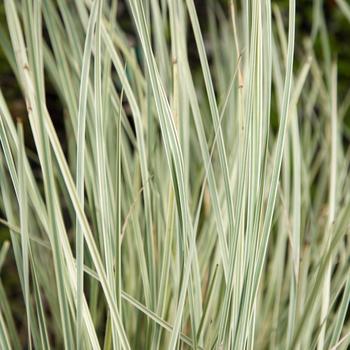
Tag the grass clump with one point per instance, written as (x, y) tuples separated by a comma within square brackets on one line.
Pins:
[(191, 190)]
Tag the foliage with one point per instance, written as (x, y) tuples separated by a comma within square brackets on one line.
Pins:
[(192, 191)]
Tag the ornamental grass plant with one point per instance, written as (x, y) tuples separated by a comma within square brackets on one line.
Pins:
[(192, 189)]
